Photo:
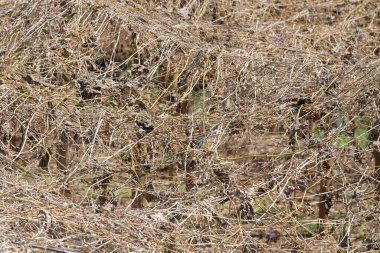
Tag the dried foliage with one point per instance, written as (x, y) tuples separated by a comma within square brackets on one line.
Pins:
[(189, 126)]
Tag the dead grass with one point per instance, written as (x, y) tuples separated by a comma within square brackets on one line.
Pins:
[(188, 126)]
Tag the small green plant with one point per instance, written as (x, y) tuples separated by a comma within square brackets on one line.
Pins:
[(361, 134), (123, 70), (319, 133), (199, 99), (342, 141), (123, 192), (162, 106), (309, 229), (339, 123)]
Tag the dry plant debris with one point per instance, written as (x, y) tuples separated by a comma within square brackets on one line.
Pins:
[(189, 126)]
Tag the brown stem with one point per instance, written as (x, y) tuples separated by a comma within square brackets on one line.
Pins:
[(376, 155), (325, 201)]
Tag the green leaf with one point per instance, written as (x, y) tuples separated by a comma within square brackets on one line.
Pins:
[(342, 141), (154, 91), (199, 99), (162, 106), (123, 71), (318, 133), (338, 123), (361, 133), (309, 229), (123, 192)]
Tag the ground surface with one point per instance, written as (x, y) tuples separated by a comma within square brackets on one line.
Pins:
[(189, 126)]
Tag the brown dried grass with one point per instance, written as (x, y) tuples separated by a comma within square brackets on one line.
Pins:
[(107, 147)]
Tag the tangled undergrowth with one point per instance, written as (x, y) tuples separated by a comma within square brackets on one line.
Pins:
[(189, 126)]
